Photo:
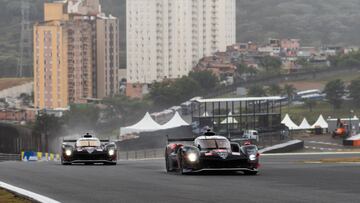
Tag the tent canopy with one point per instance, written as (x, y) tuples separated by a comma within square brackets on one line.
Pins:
[(174, 122), (146, 124), (304, 125), (205, 114), (289, 123), (230, 119), (321, 123)]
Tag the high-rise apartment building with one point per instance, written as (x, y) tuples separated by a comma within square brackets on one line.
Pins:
[(76, 54), (166, 38), (108, 60)]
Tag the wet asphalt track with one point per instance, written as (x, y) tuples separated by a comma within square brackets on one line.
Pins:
[(282, 179)]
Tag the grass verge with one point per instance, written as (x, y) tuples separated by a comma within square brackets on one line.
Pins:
[(8, 197)]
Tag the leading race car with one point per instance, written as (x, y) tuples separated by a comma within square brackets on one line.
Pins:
[(88, 150), (211, 152)]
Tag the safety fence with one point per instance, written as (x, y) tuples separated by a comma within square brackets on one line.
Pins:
[(9, 157), (39, 156), (141, 154)]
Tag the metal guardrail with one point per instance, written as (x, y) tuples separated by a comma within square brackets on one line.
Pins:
[(141, 154), (10, 157)]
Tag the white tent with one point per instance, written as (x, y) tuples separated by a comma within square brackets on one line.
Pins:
[(229, 120), (174, 122), (205, 114), (289, 123), (146, 124), (304, 125), (321, 123)]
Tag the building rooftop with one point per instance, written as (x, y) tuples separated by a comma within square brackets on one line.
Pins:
[(245, 99)]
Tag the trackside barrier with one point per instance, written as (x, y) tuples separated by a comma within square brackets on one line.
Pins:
[(141, 154), (39, 156), (10, 157)]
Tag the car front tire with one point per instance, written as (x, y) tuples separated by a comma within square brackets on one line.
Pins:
[(250, 173)]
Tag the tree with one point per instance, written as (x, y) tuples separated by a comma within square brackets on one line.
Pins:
[(289, 90), (310, 103), (274, 89), (47, 127), (334, 91), (169, 93), (81, 117), (123, 109), (354, 89), (270, 64), (206, 79), (256, 91)]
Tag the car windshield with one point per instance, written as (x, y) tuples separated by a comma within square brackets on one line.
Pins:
[(88, 143), (214, 144)]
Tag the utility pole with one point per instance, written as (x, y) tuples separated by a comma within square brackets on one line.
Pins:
[(25, 40)]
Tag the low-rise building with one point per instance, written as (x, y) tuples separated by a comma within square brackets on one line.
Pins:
[(18, 115)]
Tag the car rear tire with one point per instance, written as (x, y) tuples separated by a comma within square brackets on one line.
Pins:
[(167, 164), (250, 173)]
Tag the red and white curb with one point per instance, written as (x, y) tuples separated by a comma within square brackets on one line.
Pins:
[(26, 193)]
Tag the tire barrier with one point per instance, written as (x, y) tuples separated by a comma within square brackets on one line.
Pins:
[(10, 157), (39, 156)]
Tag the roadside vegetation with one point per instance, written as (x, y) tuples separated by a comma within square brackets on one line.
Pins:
[(8, 197)]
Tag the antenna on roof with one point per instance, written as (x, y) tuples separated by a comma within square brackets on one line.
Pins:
[(88, 135), (209, 133)]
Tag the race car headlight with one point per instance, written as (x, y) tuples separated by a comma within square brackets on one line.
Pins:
[(252, 157), (192, 157), (111, 152), (68, 152)]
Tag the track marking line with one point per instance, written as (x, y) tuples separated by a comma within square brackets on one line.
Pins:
[(310, 153), (324, 143), (28, 194), (160, 158)]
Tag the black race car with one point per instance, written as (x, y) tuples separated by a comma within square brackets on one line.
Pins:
[(210, 152), (88, 150)]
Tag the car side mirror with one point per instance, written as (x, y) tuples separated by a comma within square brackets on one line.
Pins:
[(235, 147)]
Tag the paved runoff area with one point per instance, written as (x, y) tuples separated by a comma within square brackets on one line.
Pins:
[(283, 178)]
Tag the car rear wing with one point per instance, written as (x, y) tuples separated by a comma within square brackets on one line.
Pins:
[(105, 141), (69, 140), (184, 139)]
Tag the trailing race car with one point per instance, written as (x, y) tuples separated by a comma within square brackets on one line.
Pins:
[(211, 152), (88, 150)]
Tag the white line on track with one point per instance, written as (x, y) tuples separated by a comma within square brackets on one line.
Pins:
[(26, 193), (275, 154), (312, 153), (324, 143)]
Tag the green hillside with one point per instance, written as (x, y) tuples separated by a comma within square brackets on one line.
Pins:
[(314, 21)]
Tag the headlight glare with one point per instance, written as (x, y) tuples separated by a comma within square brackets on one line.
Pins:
[(192, 157), (252, 157), (111, 152), (68, 152)]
